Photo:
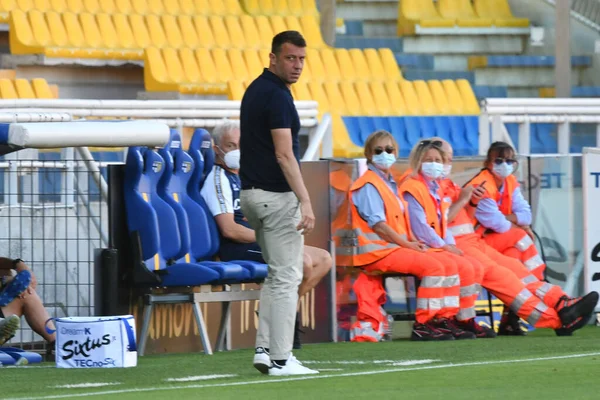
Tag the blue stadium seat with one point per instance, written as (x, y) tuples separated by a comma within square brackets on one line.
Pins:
[(257, 271), (542, 140), (472, 133), (157, 246), (176, 189), (382, 123), (353, 129), (413, 130), (398, 130), (442, 128), (367, 126)]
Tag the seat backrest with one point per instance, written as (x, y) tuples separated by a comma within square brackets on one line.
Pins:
[(141, 217), (200, 150)]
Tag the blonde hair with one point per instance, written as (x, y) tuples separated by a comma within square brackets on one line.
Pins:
[(420, 149), (373, 137)]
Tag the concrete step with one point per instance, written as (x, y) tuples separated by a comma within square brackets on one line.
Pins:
[(362, 42), (424, 74)]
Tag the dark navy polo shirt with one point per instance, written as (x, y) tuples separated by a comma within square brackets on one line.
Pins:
[(267, 104)]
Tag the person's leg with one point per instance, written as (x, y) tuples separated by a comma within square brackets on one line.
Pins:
[(317, 263), (370, 296), (35, 313)]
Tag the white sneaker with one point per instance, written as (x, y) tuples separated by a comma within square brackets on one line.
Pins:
[(291, 367), (262, 361), (8, 328)]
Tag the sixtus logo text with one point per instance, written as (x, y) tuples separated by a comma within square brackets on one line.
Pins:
[(73, 348)]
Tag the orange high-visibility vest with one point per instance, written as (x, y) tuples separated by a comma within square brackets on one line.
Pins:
[(435, 214), (361, 243), (504, 200), (462, 224), (340, 182)]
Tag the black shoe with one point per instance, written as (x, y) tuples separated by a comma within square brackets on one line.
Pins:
[(509, 324), (297, 331), (480, 332), (575, 313), (449, 327), (427, 332)]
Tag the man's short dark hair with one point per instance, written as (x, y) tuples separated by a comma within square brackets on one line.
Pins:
[(293, 37)]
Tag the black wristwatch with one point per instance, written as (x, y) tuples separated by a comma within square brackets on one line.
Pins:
[(16, 261), (472, 204)]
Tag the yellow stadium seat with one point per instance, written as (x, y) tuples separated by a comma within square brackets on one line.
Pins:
[(293, 24), (422, 13), (455, 101), (202, 7), (217, 7), (26, 5), (39, 27), (188, 32), (312, 31), (254, 64), (75, 6), (318, 94), (172, 31), (332, 70), (278, 24), (346, 66), (54, 90), (295, 7), (281, 7), (21, 39), (413, 106), (74, 31), (224, 71), (266, 7), (469, 99), (236, 35), (238, 65), (24, 90), (187, 7), (342, 145), (367, 102), (140, 31), (156, 7), (208, 68), (91, 33), (251, 6), (205, 35), (6, 6), (424, 95), (219, 31), (375, 65), (7, 89), (233, 7), (301, 92), (359, 62), (462, 11), (310, 8), (91, 6), (58, 5), (42, 5), (390, 65), (499, 11), (547, 92), (306, 73), (263, 54), (8, 74), (135, 7), (172, 7), (353, 106), (396, 99), (439, 97), (251, 35), (336, 99), (190, 66), (173, 64), (315, 65), (41, 89), (265, 32), (235, 90), (381, 100), (156, 77), (156, 31), (108, 31), (108, 6), (124, 32)]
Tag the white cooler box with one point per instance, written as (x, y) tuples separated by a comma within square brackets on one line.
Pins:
[(96, 342)]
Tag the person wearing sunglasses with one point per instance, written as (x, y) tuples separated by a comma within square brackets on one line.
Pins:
[(428, 211), (502, 274), (378, 244)]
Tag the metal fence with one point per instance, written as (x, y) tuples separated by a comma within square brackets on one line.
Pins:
[(53, 217)]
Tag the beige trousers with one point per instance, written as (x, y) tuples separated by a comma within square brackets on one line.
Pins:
[(275, 216)]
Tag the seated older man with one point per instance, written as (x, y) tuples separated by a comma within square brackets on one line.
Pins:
[(221, 191)]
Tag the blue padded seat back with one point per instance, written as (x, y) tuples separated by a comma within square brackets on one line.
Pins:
[(202, 141), (170, 239), (141, 217), (197, 144), (200, 240)]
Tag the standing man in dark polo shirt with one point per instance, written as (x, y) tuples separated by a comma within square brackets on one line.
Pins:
[(274, 198)]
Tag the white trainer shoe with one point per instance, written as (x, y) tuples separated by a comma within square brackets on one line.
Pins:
[(291, 367), (262, 361)]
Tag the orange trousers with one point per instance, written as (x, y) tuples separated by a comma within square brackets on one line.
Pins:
[(500, 280), (437, 295), (529, 266)]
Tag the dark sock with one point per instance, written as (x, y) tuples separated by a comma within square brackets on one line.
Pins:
[(281, 363)]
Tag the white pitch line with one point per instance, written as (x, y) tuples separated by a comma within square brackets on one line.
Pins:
[(308, 377), (331, 369), (85, 385), (395, 363), (198, 378)]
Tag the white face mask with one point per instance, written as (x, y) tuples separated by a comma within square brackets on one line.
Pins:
[(432, 170), (447, 170), (503, 170), (384, 160), (232, 159)]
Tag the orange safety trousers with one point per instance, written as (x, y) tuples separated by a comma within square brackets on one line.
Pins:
[(437, 295), (502, 282)]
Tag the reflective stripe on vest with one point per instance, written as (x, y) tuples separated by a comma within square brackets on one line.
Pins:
[(460, 230)]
